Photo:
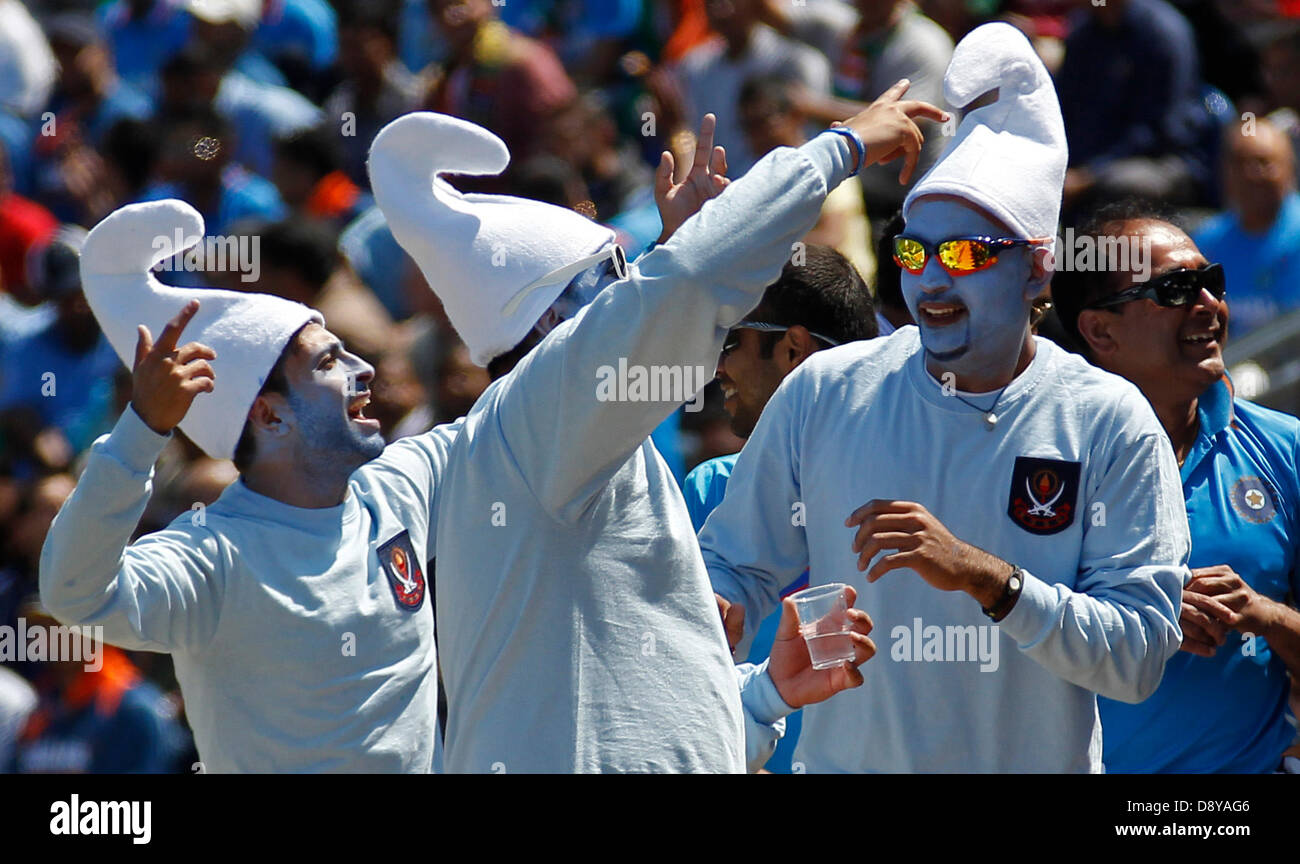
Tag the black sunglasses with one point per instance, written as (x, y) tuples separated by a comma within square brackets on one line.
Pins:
[(1175, 288)]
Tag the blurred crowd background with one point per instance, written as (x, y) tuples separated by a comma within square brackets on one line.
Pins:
[(260, 114)]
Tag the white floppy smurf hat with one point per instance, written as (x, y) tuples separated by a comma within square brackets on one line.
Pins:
[(247, 331), (497, 262), (1008, 157)]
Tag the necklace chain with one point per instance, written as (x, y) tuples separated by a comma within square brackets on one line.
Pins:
[(989, 416)]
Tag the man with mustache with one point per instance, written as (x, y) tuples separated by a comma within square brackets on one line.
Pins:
[(1222, 706), (1040, 488)]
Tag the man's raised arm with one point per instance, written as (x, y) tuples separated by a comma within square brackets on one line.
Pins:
[(665, 323), (164, 591)]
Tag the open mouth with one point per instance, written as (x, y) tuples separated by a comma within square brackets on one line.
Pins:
[(941, 314), (1211, 338), (357, 411)]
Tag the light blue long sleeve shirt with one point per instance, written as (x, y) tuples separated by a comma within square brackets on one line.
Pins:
[(947, 689), (577, 628), (292, 647)]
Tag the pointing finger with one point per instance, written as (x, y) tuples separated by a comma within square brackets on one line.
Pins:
[(894, 93), (172, 332)]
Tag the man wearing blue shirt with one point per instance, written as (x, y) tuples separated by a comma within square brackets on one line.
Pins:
[(1019, 480), (1222, 706), (819, 301), (1257, 240)]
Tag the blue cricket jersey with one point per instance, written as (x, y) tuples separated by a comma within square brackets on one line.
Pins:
[(703, 490), (1226, 713)]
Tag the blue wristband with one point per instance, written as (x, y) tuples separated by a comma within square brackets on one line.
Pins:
[(857, 144)]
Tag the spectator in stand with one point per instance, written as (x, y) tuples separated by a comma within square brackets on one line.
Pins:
[(711, 74), (301, 37), (875, 44), (198, 78), (376, 87), (196, 166), (89, 94), (618, 181), (300, 261), (227, 26), (1130, 92), (98, 716), (63, 372), (88, 99), (1281, 58), (497, 77), (309, 174), (1228, 60), (770, 120), (23, 224), (143, 35), (1258, 239)]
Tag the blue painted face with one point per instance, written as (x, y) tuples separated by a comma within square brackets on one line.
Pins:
[(973, 325)]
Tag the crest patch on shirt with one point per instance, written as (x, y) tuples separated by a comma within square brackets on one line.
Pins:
[(1252, 500), (403, 571), (1044, 494)]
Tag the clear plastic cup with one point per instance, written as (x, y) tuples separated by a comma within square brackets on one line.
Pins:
[(824, 624)]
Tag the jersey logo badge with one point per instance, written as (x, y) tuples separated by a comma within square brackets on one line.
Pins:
[(1252, 500), (403, 571), (1044, 494)]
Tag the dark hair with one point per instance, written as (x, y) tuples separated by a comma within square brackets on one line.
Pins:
[(1073, 290), (500, 365), (889, 278), (277, 381), (303, 246), (822, 291), (315, 148)]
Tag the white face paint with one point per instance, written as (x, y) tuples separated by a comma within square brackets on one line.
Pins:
[(333, 435), (973, 325)]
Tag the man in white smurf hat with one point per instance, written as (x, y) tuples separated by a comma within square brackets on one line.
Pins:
[(577, 632), (294, 606), (999, 467)]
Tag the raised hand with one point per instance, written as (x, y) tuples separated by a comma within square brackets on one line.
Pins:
[(888, 129), (926, 546), (165, 379), (678, 202)]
